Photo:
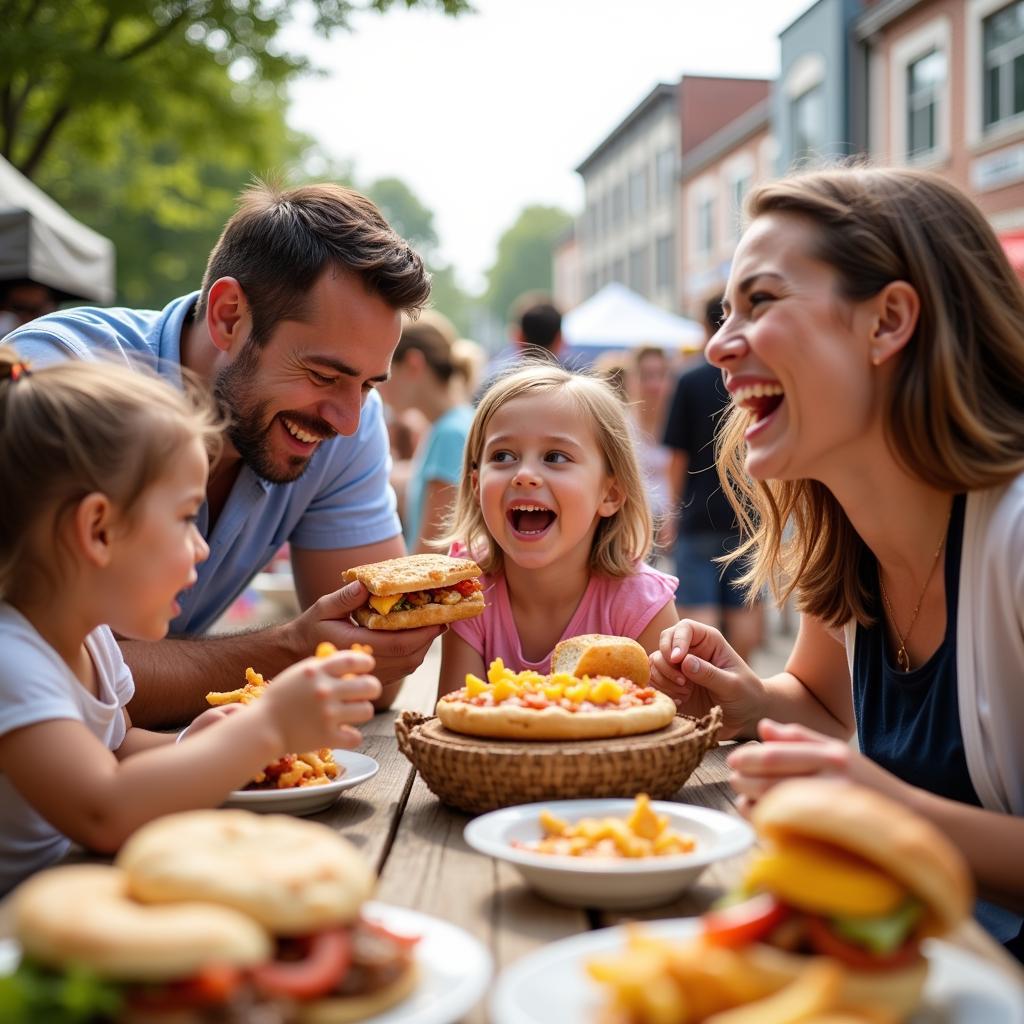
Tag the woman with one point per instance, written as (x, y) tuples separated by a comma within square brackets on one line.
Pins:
[(429, 377), (873, 348)]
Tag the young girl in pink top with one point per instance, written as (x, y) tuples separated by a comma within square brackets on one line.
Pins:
[(552, 506)]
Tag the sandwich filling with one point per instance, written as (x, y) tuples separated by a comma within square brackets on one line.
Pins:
[(806, 896), (453, 594)]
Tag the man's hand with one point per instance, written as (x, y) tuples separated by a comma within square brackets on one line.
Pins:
[(396, 652)]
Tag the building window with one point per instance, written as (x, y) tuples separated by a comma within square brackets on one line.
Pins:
[(638, 192), (664, 261), (807, 119), (665, 173), (618, 205), (1003, 46), (638, 270), (706, 226), (926, 78), (740, 188)]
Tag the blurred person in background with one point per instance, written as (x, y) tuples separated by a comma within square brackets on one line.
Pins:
[(536, 332), (648, 384), (427, 376), (702, 520), (24, 300)]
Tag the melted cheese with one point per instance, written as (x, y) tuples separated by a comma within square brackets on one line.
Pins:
[(384, 604)]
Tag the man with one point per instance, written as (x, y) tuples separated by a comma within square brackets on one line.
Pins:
[(293, 329), (705, 526), (535, 332)]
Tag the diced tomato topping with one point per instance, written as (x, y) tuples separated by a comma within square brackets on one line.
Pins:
[(826, 942), (535, 700), (744, 923), (328, 957), (212, 986), (466, 587)]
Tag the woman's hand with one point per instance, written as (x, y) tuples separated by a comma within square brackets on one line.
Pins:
[(317, 701), (794, 751), (698, 669)]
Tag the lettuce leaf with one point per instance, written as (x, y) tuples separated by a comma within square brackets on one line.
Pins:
[(35, 995), (880, 934)]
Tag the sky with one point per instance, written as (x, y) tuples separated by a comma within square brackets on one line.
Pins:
[(487, 113)]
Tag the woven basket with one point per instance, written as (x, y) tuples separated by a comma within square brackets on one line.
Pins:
[(481, 774)]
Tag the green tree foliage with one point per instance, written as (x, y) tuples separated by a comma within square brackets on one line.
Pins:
[(414, 222), (60, 61), (523, 261), (145, 118)]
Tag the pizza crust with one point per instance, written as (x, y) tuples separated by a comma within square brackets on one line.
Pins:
[(511, 722), (431, 614)]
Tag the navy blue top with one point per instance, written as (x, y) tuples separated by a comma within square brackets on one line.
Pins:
[(909, 722)]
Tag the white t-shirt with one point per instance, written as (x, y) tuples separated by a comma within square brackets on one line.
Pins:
[(37, 686)]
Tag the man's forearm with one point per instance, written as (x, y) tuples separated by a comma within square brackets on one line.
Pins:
[(172, 677)]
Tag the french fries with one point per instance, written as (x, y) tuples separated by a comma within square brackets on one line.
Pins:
[(642, 834), (658, 981)]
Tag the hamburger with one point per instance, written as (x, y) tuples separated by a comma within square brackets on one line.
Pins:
[(92, 953), (850, 875), (417, 590), (303, 883), (594, 654), (208, 917)]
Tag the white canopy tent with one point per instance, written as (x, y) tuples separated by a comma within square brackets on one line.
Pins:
[(617, 317), (41, 241)]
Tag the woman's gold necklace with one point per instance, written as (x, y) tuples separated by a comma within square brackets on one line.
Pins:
[(902, 658)]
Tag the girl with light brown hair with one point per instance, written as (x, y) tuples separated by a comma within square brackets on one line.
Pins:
[(552, 506), (103, 470), (873, 348)]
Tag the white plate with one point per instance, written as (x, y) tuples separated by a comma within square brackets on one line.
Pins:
[(550, 986), (612, 884), (454, 967), (307, 799)]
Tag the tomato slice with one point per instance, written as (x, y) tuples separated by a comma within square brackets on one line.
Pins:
[(744, 923), (825, 941), (467, 587), (328, 958), (212, 986)]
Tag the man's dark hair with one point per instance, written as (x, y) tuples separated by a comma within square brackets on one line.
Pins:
[(541, 324), (279, 242), (713, 314)]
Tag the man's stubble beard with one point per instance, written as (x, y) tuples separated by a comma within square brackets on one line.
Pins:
[(248, 426)]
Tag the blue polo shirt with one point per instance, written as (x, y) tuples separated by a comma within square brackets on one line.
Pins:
[(342, 500)]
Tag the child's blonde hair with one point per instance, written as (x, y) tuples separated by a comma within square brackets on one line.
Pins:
[(77, 427), (622, 539)]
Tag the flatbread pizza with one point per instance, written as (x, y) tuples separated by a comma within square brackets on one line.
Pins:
[(532, 706)]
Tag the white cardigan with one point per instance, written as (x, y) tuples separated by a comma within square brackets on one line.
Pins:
[(990, 645)]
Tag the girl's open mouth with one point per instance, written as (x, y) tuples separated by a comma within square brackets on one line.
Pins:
[(530, 520)]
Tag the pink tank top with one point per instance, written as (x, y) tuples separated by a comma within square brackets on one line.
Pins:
[(616, 606)]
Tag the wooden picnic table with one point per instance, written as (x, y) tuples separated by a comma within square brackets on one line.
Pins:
[(423, 863)]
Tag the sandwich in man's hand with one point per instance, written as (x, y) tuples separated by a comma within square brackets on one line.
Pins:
[(417, 590)]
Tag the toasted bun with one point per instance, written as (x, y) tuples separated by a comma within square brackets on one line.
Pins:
[(292, 876), (414, 572), (594, 654), (82, 914), (891, 994), (426, 615), (347, 1009), (881, 831)]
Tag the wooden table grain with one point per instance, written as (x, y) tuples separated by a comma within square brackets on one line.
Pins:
[(423, 863)]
